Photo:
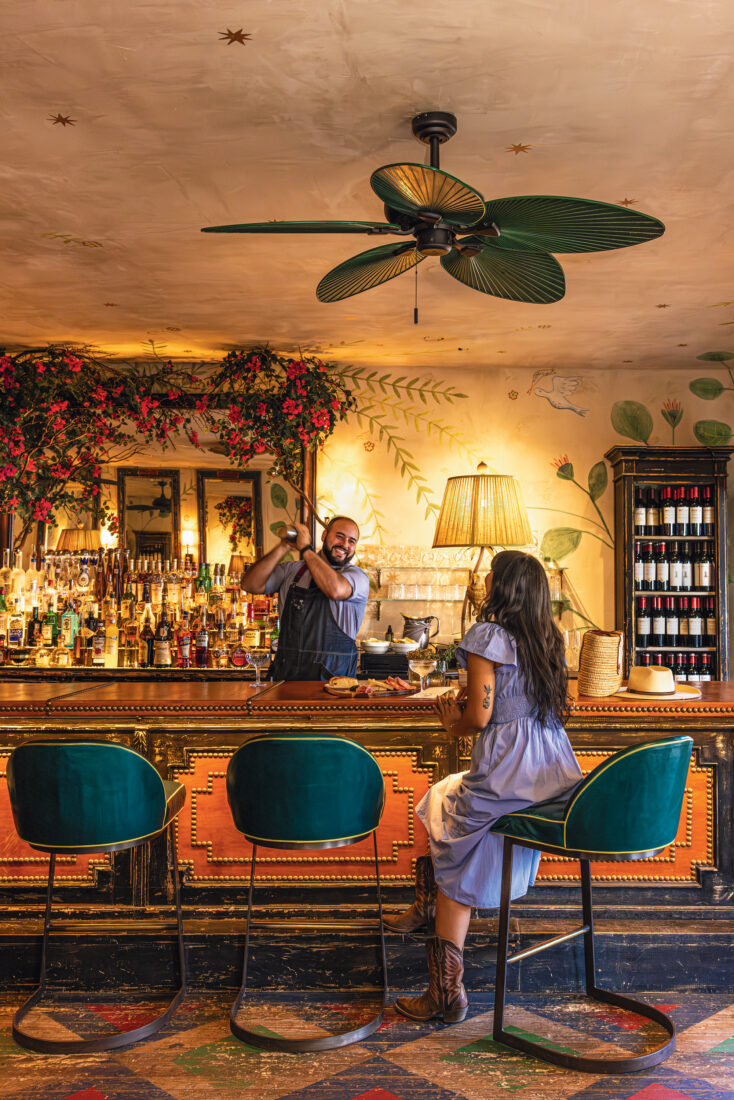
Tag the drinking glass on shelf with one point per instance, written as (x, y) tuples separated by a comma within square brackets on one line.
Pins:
[(258, 658), (411, 591), (572, 642), (422, 666)]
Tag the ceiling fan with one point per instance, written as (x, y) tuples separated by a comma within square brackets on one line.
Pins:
[(501, 247), (160, 504)]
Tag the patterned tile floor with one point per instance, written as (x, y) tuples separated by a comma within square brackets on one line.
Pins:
[(196, 1057)]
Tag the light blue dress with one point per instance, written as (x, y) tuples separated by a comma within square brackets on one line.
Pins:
[(517, 760)]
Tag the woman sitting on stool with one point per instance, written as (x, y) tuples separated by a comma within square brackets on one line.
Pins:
[(515, 699)]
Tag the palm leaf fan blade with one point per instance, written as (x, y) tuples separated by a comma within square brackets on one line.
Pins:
[(305, 227), (552, 223), (520, 276), (418, 189), (367, 270)]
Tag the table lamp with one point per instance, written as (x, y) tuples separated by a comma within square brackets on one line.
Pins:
[(484, 510), (79, 538)]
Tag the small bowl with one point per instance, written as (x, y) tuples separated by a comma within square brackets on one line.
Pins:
[(375, 647), (404, 647)]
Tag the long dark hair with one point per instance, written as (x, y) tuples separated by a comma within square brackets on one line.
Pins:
[(519, 601)]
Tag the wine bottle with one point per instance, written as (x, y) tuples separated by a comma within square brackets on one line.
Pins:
[(162, 641), (695, 623), (671, 621), (695, 514), (687, 567), (662, 568), (676, 567), (682, 512), (643, 622), (711, 625), (648, 568), (668, 511), (706, 672), (657, 625), (707, 509)]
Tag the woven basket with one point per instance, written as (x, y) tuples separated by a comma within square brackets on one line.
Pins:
[(600, 662)]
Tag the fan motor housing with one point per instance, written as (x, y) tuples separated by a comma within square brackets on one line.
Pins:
[(434, 242)]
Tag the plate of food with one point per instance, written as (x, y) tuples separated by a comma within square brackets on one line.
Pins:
[(375, 645), (351, 688), (404, 645)]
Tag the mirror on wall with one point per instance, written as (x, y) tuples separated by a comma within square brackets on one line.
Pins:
[(149, 505), (230, 514)]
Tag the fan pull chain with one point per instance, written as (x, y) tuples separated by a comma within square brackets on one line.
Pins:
[(415, 306)]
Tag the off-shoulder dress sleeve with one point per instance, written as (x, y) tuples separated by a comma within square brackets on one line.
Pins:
[(488, 640)]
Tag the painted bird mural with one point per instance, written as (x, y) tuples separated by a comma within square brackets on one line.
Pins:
[(558, 393)]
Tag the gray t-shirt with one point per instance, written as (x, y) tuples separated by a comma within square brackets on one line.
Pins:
[(347, 613)]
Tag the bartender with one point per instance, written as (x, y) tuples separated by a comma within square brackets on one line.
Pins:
[(322, 598)]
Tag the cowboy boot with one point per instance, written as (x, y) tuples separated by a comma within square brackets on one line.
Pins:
[(423, 910), (428, 1004), (454, 1002)]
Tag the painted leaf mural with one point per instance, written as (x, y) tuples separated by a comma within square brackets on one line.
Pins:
[(632, 419), (559, 542), (716, 356), (712, 433), (278, 496), (598, 480), (707, 388)]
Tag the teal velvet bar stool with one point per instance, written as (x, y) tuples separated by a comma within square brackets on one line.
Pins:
[(88, 797), (627, 808), (301, 792)]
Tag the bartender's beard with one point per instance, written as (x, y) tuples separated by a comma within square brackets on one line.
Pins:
[(342, 557)]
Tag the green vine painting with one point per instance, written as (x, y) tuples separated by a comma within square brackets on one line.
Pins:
[(559, 542), (712, 432)]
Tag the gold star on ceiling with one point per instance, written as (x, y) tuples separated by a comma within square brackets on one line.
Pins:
[(61, 120), (628, 202), (663, 305), (518, 149), (229, 36)]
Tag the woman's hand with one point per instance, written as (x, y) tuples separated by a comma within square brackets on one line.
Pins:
[(449, 710)]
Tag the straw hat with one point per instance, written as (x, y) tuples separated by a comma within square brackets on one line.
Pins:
[(656, 682)]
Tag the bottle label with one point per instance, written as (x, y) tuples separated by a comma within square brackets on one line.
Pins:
[(47, 634), (683, 626), (710, 626), (708, 514), (202, 639), (156, 592), (640, 517), (162, 652), (669, 515), (695, 626), (184, 648), (680, 677), (682, 513), (643, 624), (696, 513), (671, 626), (676, 574), (639, 573), (704, 675), (98, 648), (110, 644), (662, 571), (658, 625), (687, 574), (703, 574), (649, 571), (653, 517), (15, 634)]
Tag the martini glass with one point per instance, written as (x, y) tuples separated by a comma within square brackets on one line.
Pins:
[(422, 666), (258, 658)]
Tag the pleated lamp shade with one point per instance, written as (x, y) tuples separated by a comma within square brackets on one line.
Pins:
[(483, 510), (79, 538)]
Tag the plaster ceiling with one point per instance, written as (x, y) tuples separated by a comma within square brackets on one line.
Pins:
[(175, 128)]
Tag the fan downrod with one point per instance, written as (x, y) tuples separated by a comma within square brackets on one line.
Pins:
[(434, 128)]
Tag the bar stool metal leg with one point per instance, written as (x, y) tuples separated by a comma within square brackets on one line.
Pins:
[(326, 1042), (106, 1042), (537, 1050)]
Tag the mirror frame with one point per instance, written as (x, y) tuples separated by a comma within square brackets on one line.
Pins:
[(254, 477), (153, 473)]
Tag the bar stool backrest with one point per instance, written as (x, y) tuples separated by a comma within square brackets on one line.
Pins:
[(71, 795), (296, 790), (631, 802)]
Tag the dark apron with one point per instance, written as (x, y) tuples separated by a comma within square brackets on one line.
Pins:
[(311, 646)]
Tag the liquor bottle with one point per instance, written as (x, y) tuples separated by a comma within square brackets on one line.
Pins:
[(162, 641), (100, 581), (652, 513), (252, 628), (693, 667), (695, 623), (98, 644), (703, 568), (50, 624), (188, 578), (684, 612), (33, 629), (220, 649), (695, 514), (201, 652), (646, 659), (643, 622), (146, 635), (233, 619), (669, 660), (69, 626), (128, 602), (709, 604), (5, 573), (156, 585), (4, 616), (707, 503), (657, 624), (667, 511), (87, 632), (274, 636), (687, 566), (662, 568), (132, 640), (117, 578), (16, 625), (33, 578), (112, 636), (17, 576), (648, 568), (183, 639), (706, 671), (173, 580), (83, 577), (682, 511), (671, 621), (676, 567), (640, 513), (238, 651), (109, 585), (680, 669)]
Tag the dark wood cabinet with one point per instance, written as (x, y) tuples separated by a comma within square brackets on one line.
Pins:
[(640, 476)]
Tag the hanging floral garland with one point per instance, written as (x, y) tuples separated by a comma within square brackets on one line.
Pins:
[(235, 516)]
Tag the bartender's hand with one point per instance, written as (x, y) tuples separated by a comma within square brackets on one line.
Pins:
[(304, 535), (449, 710)]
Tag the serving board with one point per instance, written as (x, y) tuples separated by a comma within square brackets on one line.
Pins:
[(351, 693)]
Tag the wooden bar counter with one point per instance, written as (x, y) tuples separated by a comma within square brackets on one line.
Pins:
[(189, 730)]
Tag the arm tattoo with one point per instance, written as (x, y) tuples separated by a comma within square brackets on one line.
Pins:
[(487, 700)]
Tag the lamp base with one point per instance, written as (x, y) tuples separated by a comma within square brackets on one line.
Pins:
[(467, 604)]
